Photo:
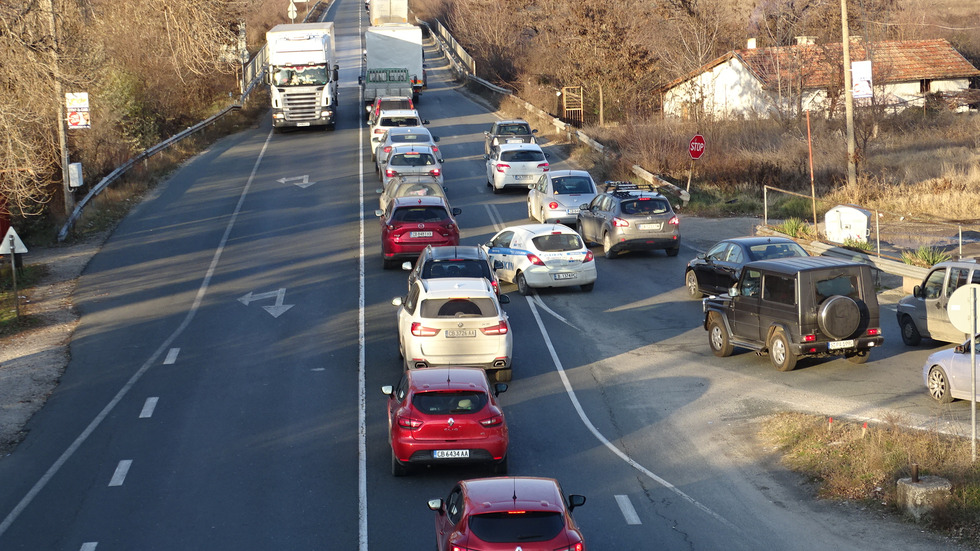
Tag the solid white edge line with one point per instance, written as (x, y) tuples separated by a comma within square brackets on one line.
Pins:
[(629, 512), (605, 442), (171, 356), (148, 407), (362, 521), (122, 469), (54, 468)]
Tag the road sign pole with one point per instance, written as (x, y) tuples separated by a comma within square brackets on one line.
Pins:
[(973, 364), (13, 270)]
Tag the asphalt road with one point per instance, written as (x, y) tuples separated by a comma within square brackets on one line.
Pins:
[(224, 386)]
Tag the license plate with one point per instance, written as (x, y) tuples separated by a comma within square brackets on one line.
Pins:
[(564, 275), (514, 140), (649, 226), (837, 345), (302, 124), (420, 234), (571, 211), (524, 176), (451, 454), (457, 333)]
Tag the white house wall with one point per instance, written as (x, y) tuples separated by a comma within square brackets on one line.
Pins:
[(729, 90)]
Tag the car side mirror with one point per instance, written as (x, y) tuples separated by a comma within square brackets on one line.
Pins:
[(425, 122), (733, 292), (388, 390), (457, 211), (397, 301), (583, 206), (702, 256), (486, 133), (530, 186), (360, 81), (436, 505), (504, 299), (380, 190), (497, 265), (486, 157), (379, 213), (574, 501), (407, 266), (917, 291), (534, 131), (960, 349), (498, 388), (435, 138)]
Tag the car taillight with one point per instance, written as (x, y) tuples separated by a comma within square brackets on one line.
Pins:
[(389, 173), (387, 149), (501, 166), (435, 172), (620, 223), (589, 257), (553, 205), (496, 287), (577, 547), (533, 259), (435, 149), (874, 332), (499, 329), (492, 421), (809, 338), (409, 423), (543, 167), (675, 221), (420, 330), (379, 131)]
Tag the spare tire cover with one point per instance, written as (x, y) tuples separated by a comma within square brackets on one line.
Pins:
[(839, 317)]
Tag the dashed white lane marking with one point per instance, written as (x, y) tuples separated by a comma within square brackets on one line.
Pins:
[(89, 546), (171, 356), (148, 407), (122, 469), (626, 506)]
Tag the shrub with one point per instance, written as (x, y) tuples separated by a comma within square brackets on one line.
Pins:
[(854, 244), (797, 228), (925, 256)]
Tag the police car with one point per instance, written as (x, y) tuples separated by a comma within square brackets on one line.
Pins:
[(541, 255)]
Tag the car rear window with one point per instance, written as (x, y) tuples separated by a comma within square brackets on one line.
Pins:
[(768, 251), (645, 205), (399, 121), (391, 104), (420, 214), (444, 403), (521, 156), (557, 242), (458, 307), (412, 159), (514, 130), (572, 184), (417, 190), (516, 526), (846, 285), (401, 138), (456, 268)]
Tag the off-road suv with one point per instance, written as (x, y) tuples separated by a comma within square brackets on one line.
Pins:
[(797, 307)]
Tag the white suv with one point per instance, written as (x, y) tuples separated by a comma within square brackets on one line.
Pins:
[(395, 118), (455, 321)]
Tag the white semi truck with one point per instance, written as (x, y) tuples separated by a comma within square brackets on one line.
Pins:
[(393, 62), (302, 74)]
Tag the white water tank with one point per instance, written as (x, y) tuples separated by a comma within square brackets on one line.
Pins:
[(845, 222)]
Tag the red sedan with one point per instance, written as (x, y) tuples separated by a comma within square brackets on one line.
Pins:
[(409, 224), (507, 513), (446, 415)]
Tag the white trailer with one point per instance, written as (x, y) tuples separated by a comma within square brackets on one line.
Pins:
[(302, 74), (383, 12), (393, 61)]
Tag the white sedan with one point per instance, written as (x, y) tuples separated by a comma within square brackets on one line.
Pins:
[(948, 373), (542, 255), (515, 164), (556, 196)]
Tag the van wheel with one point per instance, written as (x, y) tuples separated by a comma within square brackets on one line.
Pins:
[(779, 353), (910, 333), (718, 339)]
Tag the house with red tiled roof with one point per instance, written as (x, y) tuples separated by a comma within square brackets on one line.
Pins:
[(786, 80)]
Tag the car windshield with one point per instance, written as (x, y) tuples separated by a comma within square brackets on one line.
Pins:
[(455, 268), (477, 307), (420, 214), (522, 156), (645, 205), (412, 159), (768, 251), (516, 526), (444, 403), (399, 121), (572, 184), (557, 242)]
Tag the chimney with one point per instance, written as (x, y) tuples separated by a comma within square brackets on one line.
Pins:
[(750, 44)]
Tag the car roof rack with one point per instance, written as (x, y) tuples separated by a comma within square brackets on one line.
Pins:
[(623, 187)]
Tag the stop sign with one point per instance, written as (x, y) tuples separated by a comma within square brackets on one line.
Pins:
[(697, 146)]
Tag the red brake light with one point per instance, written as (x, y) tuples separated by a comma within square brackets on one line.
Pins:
[(496, 287), (620, 223), (435, 172), (499, 329), (553, 205), (408, 422), (543, 167), (874, 332), (533, 259), (589, 257), (389, 173), (501, 166), (387, 149), (493, 421), (675, 221), (420, 330), (809, 338), (435, 149)]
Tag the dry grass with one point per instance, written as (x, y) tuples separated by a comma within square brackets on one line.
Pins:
[(849, 461)]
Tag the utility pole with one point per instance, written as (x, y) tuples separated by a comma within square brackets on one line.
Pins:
[(59, 97), (848, 96)]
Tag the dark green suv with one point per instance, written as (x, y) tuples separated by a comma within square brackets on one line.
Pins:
[(793, 308)]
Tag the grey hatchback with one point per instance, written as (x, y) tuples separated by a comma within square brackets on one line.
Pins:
[(628, 217)]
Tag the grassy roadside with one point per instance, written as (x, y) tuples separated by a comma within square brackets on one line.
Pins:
[(863, 462)]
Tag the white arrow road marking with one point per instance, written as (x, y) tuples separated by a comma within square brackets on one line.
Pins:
[(121, 470), (276, 310), (298, 181), (626, 506)]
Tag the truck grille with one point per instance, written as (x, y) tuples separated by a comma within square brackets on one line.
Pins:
[(301, 106)]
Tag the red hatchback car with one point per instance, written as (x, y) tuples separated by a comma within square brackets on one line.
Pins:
[(446, 415), (411, 223), (507, 513)]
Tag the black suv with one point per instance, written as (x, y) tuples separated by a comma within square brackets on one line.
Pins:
[(630, 217), (797, 307), (452, 261)]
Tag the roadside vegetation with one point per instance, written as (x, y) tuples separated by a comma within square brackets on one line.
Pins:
[(863, 462)]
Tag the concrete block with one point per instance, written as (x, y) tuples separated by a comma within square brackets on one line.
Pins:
[(920, 498)]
